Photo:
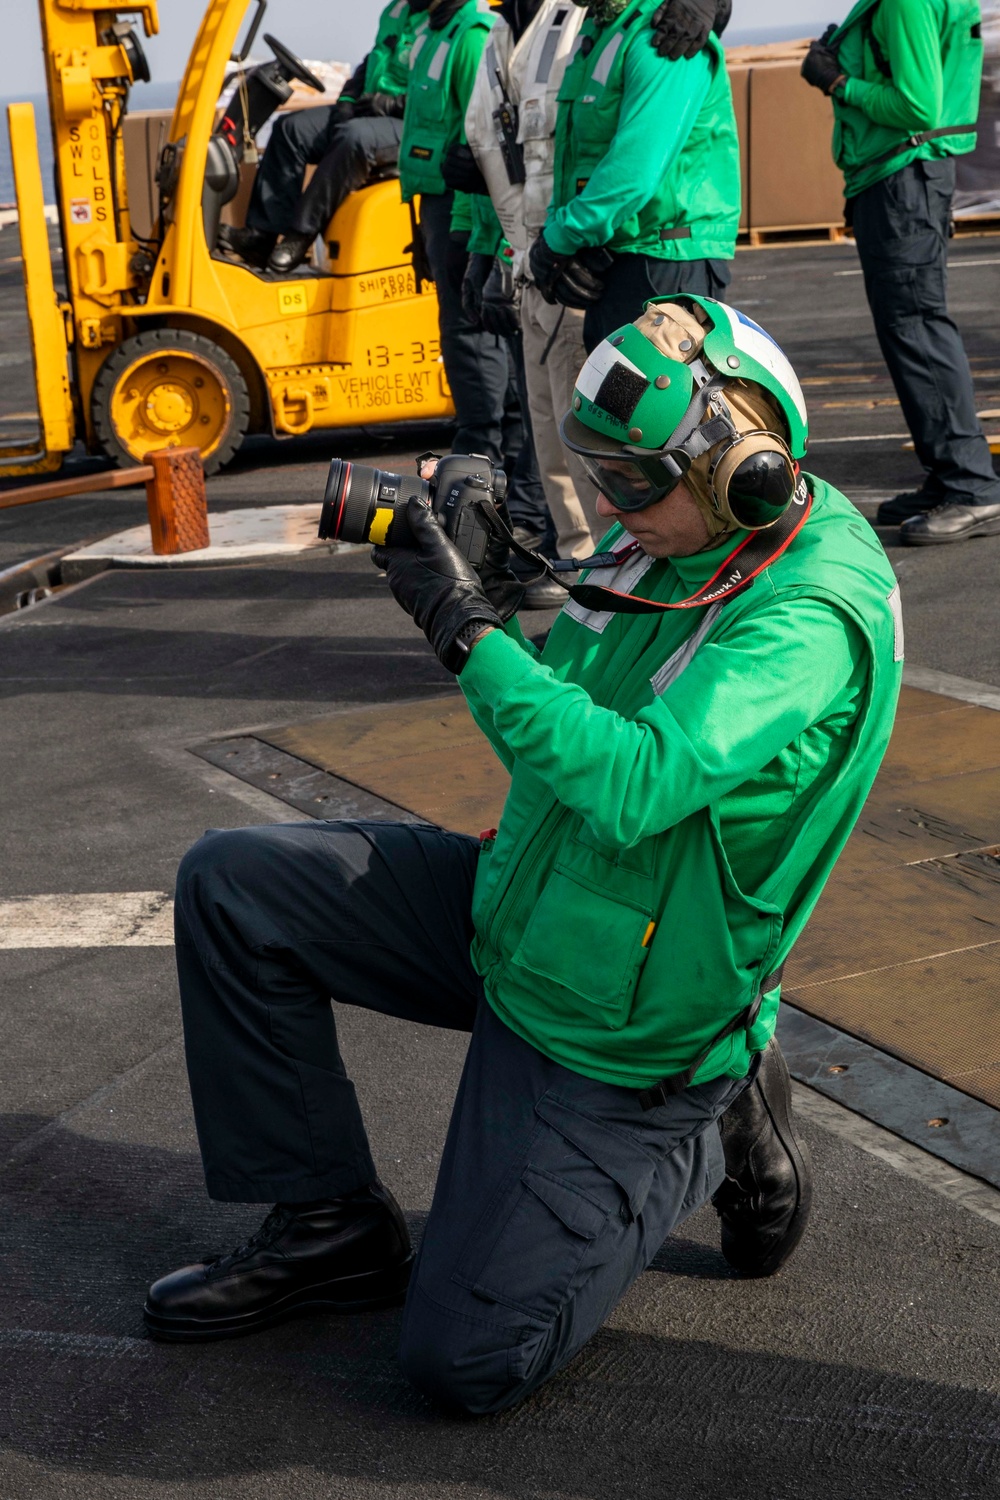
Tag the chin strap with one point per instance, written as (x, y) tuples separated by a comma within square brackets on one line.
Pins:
[(757, 551)]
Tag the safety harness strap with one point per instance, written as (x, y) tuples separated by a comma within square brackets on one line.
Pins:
[(676, 1083), (921, 137)]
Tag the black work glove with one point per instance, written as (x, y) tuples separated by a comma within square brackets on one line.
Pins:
[(476, 272), (582, 281), (343, 110), (820, 66), (389, 106), (436, 586), (680, 28), (546, 267), (460, 170), (498, 310)]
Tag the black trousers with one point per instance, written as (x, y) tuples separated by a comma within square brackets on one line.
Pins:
[(486, 386), (346, 156), (633, 279), (525, 494), (476, 363), (901, 231), (554, 1192)]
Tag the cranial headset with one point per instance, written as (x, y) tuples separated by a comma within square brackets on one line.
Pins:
[(751, 475)]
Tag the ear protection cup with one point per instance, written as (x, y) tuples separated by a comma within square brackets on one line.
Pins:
[(753, 479)]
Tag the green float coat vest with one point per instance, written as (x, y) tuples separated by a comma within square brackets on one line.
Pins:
[(387, 64), (610, 930), (436, 98), (699, 189), (912, 65)]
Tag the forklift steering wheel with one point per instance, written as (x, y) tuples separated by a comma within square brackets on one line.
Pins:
[(293, 66)]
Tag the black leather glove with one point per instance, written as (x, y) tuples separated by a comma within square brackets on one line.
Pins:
[(343, 110), (820, 66), (437, 587), (460, 170), (476, 273), (498, 310), (680, 27), (546, 267), (582, 281), (574, 280), (389, 106)]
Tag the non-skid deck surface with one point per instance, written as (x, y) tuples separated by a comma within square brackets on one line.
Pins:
[(903, 949)]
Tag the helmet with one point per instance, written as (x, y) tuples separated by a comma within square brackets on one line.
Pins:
[(692, 390)]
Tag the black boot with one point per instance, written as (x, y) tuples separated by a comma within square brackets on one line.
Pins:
[(765, 1200), (251, 245), (290, 253), (342, 1255), (911, 503), (950, 523)]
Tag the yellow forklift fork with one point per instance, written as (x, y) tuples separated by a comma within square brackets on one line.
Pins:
[(45, 315)]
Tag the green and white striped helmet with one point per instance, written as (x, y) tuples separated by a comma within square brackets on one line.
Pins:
[(692, 379)]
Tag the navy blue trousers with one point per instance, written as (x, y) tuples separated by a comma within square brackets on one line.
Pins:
[(346, 156), (901, 231), (554, 1191), (633, 279)]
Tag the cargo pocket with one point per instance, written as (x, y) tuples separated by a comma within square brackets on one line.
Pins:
[(586, 941), (568, 1212)]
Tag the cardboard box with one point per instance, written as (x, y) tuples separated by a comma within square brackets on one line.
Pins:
[(793, 182), (739, 79), (144, 134)]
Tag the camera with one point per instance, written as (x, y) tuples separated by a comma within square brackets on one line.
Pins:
[(369, 505)]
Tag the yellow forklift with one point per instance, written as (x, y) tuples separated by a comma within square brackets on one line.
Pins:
[(169, 341)]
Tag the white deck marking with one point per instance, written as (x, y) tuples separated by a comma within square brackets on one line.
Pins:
[(100, 919)]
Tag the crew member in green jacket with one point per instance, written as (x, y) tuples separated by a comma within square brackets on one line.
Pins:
[(349, 142), (904, 78), (646, 192), (683, 779), (443, 62)]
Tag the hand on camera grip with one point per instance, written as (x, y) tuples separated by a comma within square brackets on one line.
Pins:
[(435, 584)]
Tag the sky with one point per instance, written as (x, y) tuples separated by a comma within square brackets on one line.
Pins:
[(332, 29)]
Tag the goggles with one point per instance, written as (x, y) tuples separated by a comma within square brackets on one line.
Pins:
[(751, 479)]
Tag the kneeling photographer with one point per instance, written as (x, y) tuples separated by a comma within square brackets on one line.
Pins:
[(688, 756)]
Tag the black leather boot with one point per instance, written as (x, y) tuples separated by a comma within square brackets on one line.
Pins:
[(290, 253), (950, 523), (251, 245), (765, 1200), (342, 1255), (911, 503)]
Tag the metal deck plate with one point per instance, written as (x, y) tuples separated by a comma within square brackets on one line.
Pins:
[(901, 956)]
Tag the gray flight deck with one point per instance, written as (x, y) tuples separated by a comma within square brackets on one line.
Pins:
[(869, 1368)]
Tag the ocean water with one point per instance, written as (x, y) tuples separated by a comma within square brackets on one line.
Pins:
[(144, 96)]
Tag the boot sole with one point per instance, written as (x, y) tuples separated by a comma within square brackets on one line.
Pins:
[(798, 1155), (349, 1294), (985, 528)]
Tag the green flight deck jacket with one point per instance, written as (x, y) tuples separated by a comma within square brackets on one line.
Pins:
[(682, 784), (912, 66), (647, 158), (443, 68)]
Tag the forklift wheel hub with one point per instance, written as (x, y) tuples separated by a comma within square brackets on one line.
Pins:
[(169, 408), (165, 399)]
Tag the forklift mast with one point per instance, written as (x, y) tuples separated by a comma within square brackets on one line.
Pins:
[(91, 59)]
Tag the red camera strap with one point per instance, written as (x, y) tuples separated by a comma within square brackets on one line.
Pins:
[(757, 551)]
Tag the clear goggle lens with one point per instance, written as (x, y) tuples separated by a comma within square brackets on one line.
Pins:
[(633, 484)]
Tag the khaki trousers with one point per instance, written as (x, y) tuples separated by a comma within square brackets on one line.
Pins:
[(571, 495)]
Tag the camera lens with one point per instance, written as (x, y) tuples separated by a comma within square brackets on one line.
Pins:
[(348, 502), (360, 502)]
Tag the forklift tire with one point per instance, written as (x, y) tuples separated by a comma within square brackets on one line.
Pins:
[(169, 388)]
